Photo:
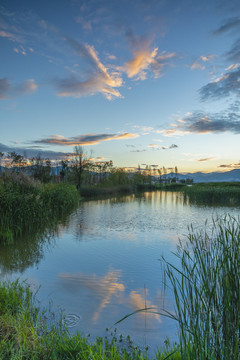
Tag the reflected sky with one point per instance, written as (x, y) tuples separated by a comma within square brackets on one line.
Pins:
[(108, 291), (104, 263)]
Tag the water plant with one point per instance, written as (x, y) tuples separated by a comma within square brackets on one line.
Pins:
[(207, 292), (25, 204), (213, 193)]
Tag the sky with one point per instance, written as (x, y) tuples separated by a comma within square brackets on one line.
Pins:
[(138, 82)]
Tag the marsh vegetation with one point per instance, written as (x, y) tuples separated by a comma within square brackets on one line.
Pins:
[(27, 205), (214, 193), (205, 287), (207, 292)]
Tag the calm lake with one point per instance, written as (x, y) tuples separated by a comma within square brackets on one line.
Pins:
[(104, 263)]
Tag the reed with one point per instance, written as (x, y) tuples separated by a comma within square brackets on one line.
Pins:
[(26, 204), (213, 193), (207, 292)]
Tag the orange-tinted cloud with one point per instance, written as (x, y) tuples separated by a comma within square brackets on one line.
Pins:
[(206, 159), (88, 139), (101, 80), (145, 58)]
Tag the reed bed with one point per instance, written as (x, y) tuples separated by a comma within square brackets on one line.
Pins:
[(213, 193), (26, 204), (207, 292)]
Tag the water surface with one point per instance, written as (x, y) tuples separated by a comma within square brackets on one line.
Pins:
[(103, 263)]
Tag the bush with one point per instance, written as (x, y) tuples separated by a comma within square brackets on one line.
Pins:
[(26, 204)]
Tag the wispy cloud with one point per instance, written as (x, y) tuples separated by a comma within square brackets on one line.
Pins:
[(231, 25), (206, 159), (101, 80), (203, 123), (230, 166), (33, 151), (88, 139), (199, 63), (10, 36), (8, 90), (157, 147), (145, 58), (234, 53), (228, 25), (227, 84), (139, 150)]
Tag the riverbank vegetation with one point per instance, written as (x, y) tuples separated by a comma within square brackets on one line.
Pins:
[(86, 172), (207, 292), (27, 204), (223, 193), (26, 333)]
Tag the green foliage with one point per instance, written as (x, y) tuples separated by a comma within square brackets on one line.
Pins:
[(26, 204), (41, 169), (207, 292), (214, 193)]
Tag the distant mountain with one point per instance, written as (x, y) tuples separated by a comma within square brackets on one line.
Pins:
[(233, 175)]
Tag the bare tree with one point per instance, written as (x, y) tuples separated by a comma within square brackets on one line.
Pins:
[(16, 161), (80, 163)]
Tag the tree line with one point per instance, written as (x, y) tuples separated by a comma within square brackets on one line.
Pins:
[(82, 170)]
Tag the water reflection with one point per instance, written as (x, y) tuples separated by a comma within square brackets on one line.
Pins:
[(103, 289), (102, 262), (109, 291), (29, 249), (127, 213)]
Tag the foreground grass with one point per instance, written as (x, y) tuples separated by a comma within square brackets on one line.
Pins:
[(207, 292), (27, 335), (26, 204), (225, 193)]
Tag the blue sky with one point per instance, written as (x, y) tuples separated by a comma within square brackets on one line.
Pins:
[(151, 82)]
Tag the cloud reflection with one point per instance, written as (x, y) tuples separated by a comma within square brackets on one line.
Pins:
[(104, 288), (109, 290), (138, 301)]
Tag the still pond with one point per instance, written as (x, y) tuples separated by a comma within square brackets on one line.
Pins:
[(104, 262)]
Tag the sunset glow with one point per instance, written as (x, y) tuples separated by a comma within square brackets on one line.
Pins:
[(161, 77)]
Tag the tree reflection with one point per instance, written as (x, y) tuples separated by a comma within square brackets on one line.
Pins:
[(30, 248)]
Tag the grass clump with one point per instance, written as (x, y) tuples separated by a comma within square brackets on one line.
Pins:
[(207, 292), (214, 193), (26, 204)]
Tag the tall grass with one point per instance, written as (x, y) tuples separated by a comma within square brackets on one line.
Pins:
[(214, 193), (26, 204), (207, 292)]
